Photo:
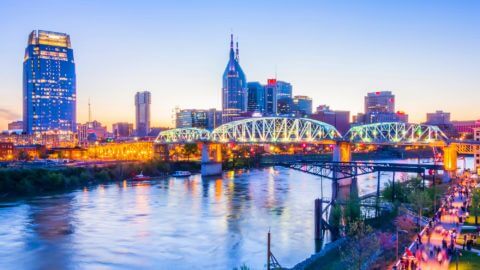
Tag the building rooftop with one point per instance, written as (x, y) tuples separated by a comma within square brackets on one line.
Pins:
[(42, 37)]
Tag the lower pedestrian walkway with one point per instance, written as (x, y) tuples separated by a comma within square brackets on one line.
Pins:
[(435, 244)]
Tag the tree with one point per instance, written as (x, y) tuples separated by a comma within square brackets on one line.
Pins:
[(360, 246), (420, 200), (43, 155), (336, 219), (23, 155), (404, 223), (175, 152), (476, 204), (190, 149), (352, 208)]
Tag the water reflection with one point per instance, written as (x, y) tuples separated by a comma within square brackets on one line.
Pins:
[(49, 228), (214, 223)]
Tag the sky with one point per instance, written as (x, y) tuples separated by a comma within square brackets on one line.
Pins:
[(426, 52)]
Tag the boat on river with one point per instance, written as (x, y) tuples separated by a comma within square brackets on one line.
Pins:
[(141, 177), (181, 174)]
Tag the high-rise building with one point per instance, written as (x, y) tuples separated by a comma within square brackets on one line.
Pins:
[(91, 132), (383, 101), (49, 83), (214, 119), (256, 97), (380, 107), (438, 118), (142, 113), (271, 97), (122, 129), (441, 119), (192, 118), (302, 105), (339, 119), (284, 90), (284, 106), (16, 125), (234, 88)]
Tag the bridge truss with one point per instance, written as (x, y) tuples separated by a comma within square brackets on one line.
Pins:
[(342, 170), (276, 130), (183, 135), (467, 148), (396, 133)]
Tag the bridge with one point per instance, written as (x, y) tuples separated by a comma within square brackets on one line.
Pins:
[(289, 130)]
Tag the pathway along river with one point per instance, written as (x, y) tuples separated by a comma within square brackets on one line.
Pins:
[(172, 223)]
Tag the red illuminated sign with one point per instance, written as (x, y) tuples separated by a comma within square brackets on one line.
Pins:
[(272, 81)]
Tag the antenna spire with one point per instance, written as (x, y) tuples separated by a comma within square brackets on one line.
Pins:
[(237, 55), (89, 111)]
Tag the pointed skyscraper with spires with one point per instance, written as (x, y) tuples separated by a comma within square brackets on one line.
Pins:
[(234, 87)]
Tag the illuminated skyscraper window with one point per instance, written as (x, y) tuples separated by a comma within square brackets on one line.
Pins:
[(234, 90), (49, 83)]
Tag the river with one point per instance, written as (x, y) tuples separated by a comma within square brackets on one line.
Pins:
[(170, 223)]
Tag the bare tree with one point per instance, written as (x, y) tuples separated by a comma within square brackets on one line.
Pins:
[(360, 246)]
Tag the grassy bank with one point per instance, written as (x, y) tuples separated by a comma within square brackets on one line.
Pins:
[(466, 261), (26, 182)]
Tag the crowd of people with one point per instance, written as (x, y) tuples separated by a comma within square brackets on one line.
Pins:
[(435, 245)]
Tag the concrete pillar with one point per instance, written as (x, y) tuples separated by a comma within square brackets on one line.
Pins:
[(205, 153), (342, 152), (218, 153), (450, 158), (211, 167)]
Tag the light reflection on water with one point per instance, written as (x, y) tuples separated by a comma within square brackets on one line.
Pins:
[(169, 224)]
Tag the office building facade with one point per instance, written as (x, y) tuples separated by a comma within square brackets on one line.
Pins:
[(193, 118), (122, 130), (339, 119), (15, 126), (383, 101), (271, 97), (438, 118), (476, 151), (284, 89), (49, 84), (380, 107), (302, 105), (256, 97), (234, 88), (142, 113)]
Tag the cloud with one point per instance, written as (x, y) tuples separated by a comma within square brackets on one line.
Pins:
[(6, 114)]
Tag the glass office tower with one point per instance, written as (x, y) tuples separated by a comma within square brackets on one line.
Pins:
[(234, 88), (142, 113), (49, 83)]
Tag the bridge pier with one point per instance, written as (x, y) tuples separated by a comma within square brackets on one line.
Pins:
[(450, 156), (342, 152), (211, 166)]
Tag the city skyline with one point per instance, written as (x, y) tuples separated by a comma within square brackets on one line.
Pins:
[(439, 67)]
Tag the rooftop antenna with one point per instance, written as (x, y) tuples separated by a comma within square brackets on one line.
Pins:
[(89, 111), (237, 52), (275, 71)]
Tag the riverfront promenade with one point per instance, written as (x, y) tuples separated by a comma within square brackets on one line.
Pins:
[(435, 246)]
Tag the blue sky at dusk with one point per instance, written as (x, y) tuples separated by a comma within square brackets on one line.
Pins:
[(426, 52)]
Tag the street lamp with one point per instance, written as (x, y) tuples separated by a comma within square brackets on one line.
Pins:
[(397, 231)]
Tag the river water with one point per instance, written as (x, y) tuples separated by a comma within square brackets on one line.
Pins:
[(170, 223)]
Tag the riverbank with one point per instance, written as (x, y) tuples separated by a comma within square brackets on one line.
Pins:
[(35, 181), (383, 229), (27, 181)]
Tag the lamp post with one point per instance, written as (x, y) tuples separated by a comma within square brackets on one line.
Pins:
[(397, 231)]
